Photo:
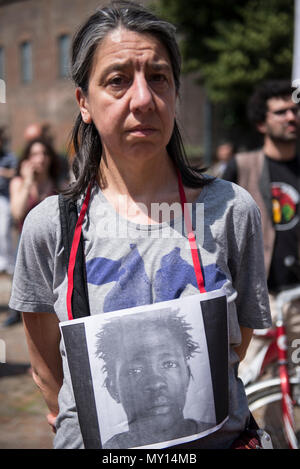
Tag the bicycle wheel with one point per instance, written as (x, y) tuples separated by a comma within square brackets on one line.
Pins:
[(265, 405)]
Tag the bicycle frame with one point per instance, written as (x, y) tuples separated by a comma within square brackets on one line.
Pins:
[(277, 351), (287, 403)]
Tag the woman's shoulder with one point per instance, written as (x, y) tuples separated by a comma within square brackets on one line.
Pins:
[(229, 192), (44, 217), (224, 200), (46, 208)]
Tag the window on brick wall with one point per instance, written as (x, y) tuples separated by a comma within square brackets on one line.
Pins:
[(64, 43), (26, 62), (2, 72)]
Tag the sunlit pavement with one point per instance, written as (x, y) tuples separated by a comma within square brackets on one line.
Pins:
[(22, 410)]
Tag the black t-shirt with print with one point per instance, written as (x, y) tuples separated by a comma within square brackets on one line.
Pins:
[(285, 187)]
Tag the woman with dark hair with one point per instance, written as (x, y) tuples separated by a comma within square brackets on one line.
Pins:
[(130, 158), (36, 178)]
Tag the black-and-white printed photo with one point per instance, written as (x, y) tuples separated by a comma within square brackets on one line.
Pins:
[(150, 379)]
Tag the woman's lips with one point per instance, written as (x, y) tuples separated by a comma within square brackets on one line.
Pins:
[(142, 130)]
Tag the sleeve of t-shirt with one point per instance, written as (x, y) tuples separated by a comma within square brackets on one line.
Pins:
[(249, 277), (32, 287), (231, 172), (13, 161)]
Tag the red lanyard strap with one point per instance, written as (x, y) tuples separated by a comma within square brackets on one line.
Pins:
[(78, 230), (73, 252), (191, 236)]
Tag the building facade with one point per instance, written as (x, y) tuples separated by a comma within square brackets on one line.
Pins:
[(35, 38)]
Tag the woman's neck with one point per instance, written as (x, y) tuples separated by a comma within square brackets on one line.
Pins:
[(133, 190), (141, 181)]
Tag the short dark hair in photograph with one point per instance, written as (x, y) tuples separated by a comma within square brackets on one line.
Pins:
[(111, 336)]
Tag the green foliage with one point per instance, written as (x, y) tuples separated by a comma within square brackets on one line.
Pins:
[(233, 45), (247, 52)]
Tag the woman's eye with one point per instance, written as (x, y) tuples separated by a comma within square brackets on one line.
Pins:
[(158, 78), (118, 81)]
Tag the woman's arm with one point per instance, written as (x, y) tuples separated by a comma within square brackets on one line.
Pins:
[(246, 339), (43, 337), (19, 191)]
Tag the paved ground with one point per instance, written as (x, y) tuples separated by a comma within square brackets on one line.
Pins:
[(22, 409)]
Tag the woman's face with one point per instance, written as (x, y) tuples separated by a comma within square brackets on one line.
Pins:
[(131, 96), (39, 158)]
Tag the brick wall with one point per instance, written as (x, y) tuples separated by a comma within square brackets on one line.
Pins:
[(48, 98)]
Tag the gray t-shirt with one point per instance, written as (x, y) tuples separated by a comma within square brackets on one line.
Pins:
[(129, 265)]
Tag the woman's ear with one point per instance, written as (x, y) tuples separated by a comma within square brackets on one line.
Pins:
[(83, 105)]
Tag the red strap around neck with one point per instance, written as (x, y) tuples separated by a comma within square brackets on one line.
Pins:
[(191, 236), (74, 249), (78, 230)]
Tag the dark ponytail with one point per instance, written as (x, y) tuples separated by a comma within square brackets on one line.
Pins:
[(86, 143)]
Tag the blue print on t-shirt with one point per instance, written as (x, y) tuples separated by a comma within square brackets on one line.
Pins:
[(132, 285), (173, 276)]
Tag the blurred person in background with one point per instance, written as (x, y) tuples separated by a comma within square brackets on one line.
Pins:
[(36, 130), (8, 163), (224, 153), (271, 175), (33, 131), (36, 178)]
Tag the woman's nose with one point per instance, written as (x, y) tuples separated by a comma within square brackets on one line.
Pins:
[(142, 96)]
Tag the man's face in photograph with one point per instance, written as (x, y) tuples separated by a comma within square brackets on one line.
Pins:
[(152, 377)]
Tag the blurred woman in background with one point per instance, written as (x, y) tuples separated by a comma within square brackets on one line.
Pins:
[(36, 178)]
